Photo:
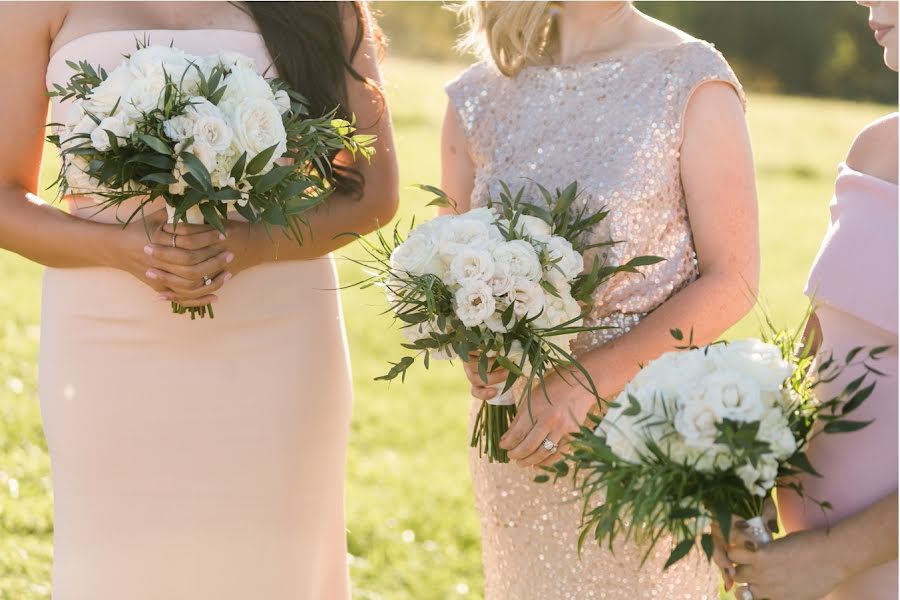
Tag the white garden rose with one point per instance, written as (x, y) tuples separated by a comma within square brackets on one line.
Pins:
[(474, 303), (483, 214), (282, 101), (257, 125), (214, 132), (760, 479), (774, 429), (75, 113), (115, 125), (470, 265), (109, 92), (179, 128), (244, 83), (144, 95), (501, 281), (77, 178), (230, 59), (695, 420), (733, 395), (456, 234), (526, 297), (565, 258), (761, 361), (533, 226), (149, 60), (519, 258), (71, 137), (673, 370), (414, 256)]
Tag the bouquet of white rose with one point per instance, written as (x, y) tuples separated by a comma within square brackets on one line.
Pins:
[(204, 133), (505, 282), (704, 433)]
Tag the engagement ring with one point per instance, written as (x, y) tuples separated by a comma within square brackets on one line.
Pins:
[(207, 280), (549, 446)]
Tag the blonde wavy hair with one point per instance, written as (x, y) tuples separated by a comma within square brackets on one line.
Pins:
[(512, 34)]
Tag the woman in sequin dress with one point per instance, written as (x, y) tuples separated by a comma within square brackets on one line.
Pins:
[(650, 123)]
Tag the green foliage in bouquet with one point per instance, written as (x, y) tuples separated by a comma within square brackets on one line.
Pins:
[(424, 302), (655, 496)]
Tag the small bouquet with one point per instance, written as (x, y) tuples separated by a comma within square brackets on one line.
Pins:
[(204, 133), (704, 433), (505, 282)]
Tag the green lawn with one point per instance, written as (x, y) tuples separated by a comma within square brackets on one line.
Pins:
[(412, 529)]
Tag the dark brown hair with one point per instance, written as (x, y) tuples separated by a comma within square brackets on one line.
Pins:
[(308, 46)]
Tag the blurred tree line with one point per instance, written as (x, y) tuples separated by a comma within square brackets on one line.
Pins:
[(818, 48)]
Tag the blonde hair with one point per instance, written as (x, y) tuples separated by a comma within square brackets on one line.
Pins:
[(512, 34)]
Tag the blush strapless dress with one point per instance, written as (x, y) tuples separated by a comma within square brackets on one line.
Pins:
[(194, 459), (854, 285)]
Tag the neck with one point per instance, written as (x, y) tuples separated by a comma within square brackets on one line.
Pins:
[(592, 28)]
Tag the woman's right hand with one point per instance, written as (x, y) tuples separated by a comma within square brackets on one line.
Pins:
[(481, 389), (176, 274)]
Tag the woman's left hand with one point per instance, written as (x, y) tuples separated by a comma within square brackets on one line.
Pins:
[(558, 408), (795, 567)]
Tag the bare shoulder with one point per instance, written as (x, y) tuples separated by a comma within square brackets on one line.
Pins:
[(874, 151), (656, 33), (31, 21)]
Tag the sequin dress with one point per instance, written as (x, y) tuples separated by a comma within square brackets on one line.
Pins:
[(615, 126)]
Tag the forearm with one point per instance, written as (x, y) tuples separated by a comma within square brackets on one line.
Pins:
[(866, 539), (47, 235), (706, 308)]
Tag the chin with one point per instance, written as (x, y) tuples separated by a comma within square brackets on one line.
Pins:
[(890, 59)]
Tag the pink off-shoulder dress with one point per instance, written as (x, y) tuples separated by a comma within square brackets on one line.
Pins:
[(854, 286)]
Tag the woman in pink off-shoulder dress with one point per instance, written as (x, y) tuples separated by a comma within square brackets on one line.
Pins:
[(854, 286), (199, 459)]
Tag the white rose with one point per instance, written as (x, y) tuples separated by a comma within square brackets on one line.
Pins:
[(109, 92), (244, 83), (205, 154), (257, 125), (495, 323), (673, 370), (75, 114), (474, 303), (151, 59), (77, 178), (501, 281), (733, 395), (533, 226), (115, 125), (775, 430), (763, 362), (144, 95), (214, 132), (564, 257), (459, 233), (282, 101), (415, 255), (179, 128), (695, 420), (483, 214), (72, 137), (758, 480), (519, 258), (470, 265), (527, 298), (230, 59)]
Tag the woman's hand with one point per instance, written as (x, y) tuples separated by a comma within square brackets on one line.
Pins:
[(795, 567), (481, 389), (558, 408), (175, 272), (737, 536)]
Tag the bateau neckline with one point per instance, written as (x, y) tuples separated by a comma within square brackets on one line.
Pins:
[(844, 168), (92, 34), (613, 59)]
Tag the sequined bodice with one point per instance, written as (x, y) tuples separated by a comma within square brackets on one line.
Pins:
[(615, 126)]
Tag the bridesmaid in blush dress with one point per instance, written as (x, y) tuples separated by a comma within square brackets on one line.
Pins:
[(193, 459), (853, 283), (650, 123)]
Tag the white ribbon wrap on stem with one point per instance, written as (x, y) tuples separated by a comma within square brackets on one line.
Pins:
[(502, 398), (759, 533), (193, 215)]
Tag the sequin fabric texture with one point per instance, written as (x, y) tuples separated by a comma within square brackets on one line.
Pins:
[(615, 126)]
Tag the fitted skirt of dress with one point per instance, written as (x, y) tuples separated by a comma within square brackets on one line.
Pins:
[(197, 459)]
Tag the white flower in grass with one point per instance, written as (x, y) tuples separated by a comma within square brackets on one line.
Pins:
[(474, 303), (527, 298), (115, 125), (257, 125), (471, 265), (519, 258)]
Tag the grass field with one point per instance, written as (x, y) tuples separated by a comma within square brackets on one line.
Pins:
[(412, 528)]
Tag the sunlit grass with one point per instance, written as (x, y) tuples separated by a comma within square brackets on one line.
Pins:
[(412, 528)]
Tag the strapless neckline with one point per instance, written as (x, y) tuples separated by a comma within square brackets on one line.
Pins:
[(845, 170), (89, 36)]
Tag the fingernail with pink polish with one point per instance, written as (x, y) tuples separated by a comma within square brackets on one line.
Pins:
[(162, 297), (222, 237), (148, 249), (229, 257), (228, 276), (151, 275)]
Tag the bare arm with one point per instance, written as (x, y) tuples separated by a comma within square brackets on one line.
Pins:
[(457, 170)]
